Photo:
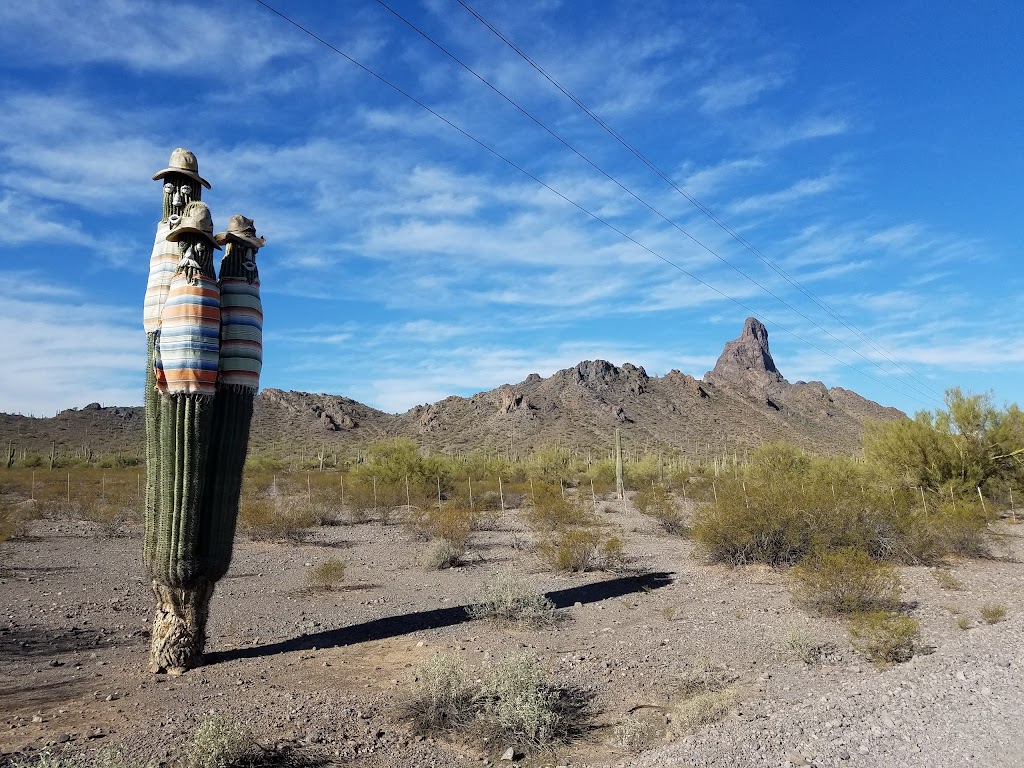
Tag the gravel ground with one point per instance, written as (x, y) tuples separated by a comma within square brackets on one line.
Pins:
[(325, 674)]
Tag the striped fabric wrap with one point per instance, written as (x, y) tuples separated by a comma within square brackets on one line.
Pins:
[(162, 265), (241, 334), (189, 338)]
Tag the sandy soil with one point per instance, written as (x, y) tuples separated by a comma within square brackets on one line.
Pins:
[(326, 673)]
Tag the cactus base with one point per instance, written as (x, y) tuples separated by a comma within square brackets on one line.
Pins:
[(179, 627)]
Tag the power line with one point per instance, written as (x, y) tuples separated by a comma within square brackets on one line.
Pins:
[(707, 212), (578, 206)]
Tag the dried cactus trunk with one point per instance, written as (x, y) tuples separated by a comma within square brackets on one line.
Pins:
[(179, 627)]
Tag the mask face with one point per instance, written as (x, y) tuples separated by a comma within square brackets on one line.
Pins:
[(179, 191)]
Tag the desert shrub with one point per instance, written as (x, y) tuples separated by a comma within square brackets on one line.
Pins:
[(15, 519), (549, 510), (573, 550), (518, 703), (220, 743), (450, 522), (442, 554), (885, 637), (993, 613), (846, 581), (640, 474), (506, 598), (489, 501), (788, 505), (612, 554), (328, 575), (550, 464), (442, 697), (632, 733), (657, 502), (272, 517)]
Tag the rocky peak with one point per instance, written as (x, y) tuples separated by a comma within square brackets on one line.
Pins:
[(746, 363)]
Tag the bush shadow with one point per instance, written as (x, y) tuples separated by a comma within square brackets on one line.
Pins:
[(395, 626)]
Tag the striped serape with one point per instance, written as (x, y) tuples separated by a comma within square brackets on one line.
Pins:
[(241, 333), (162, 265), (188, 343)]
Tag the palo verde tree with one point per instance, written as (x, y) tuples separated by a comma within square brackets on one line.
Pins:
[(970, 444)]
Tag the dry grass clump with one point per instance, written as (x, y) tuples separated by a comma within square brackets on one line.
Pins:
[(993, 613), (707, 698), (506, 598), (442, 697), (328, 575), (802, 645), (581, 549), (846, 581), (443, 554), (632, 733), (946, 579), (884, 637)]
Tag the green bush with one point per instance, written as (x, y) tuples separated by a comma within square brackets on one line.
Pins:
[(885, 637), (549, 510), (657, 502), (788, 505), (846, 581)]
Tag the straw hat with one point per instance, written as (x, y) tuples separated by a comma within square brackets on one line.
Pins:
[(196, 220), (242, 230), (184, 162)]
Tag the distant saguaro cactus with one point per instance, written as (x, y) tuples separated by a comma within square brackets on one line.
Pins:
[(197, 412)]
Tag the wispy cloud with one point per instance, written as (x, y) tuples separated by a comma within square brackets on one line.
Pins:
[(729, 92)]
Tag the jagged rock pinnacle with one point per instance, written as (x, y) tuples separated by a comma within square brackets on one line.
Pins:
[(746, 363)]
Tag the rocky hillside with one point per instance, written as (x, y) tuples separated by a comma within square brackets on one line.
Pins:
[(742, 402)]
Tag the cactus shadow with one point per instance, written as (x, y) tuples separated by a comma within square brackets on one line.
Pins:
[(403, 624)]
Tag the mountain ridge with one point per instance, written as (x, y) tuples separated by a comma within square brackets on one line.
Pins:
[(742, 402)]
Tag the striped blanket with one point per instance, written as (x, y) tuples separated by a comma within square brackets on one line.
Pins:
[(241, 334), (188, 343), (162, 265)]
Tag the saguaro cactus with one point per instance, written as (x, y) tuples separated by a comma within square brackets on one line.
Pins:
[(205, 342)]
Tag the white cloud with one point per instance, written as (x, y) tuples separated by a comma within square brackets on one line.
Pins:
[(730, 92)]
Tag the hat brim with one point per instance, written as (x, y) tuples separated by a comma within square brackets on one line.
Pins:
[(183, 172), (226, 237), (176, 234)]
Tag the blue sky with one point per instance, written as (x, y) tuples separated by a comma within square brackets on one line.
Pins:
[(871, 152)]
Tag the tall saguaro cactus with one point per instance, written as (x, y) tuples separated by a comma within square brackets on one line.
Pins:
[(197, 417)]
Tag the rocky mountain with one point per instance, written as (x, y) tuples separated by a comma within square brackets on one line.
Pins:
[(743, 401)]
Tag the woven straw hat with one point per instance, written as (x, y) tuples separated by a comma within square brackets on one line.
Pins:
[(242, 230), (196, 220), (183, 161)]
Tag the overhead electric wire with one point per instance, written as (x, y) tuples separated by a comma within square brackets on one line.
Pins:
[(705, 210), (572, 202)]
